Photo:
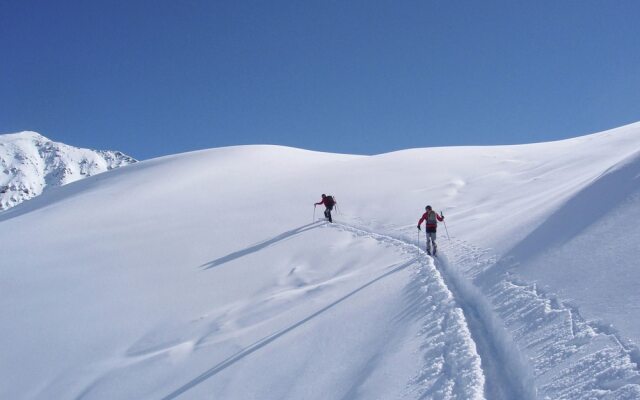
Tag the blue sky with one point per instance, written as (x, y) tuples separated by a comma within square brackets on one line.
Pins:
[(160, 77)]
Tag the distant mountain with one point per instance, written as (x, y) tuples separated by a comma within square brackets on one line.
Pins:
[(30, 163)]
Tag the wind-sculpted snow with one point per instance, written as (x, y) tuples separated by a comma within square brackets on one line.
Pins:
[(570, 358)]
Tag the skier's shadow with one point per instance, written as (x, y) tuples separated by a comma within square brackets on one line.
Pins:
[(259, 246)]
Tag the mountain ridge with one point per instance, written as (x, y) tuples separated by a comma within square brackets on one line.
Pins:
[(31, 163)]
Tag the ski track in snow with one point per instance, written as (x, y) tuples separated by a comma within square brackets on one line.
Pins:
[(497, 339), (450, 338), (467, 325), (570, 358), (451, 366), (505, 374), (531, 344)]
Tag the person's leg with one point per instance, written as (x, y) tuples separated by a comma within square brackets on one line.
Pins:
[(433, 240), (327, 214)]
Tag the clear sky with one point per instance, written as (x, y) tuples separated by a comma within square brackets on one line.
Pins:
[(160, 77)]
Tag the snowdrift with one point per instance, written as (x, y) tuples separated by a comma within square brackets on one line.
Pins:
[(208, 275)]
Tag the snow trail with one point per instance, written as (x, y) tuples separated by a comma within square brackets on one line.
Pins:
[(450, 367), (569, 357), (531, 344), (506, 374)]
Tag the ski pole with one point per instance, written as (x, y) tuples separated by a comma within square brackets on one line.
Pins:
[(314, 213), (445, 226)]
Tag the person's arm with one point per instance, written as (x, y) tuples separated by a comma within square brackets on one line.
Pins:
[(440, 217), (424, 216)]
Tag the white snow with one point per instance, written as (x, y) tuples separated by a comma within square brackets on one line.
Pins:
[(30, 163), (204, 275)]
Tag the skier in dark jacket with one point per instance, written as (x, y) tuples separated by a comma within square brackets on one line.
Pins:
[(328, 202), (431, 218)]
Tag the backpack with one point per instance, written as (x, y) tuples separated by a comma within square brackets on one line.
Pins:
[(431, 218), (330, 202)]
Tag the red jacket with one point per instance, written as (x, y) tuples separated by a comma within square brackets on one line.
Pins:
[(326, 202), (431, 225)]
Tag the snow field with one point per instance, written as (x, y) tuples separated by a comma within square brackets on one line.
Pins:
[(375, 356), (203, 274)]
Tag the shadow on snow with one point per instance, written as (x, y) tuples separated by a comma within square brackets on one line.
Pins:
[(259, 246)]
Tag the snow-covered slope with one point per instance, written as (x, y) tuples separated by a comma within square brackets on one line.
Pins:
[(218, 283), (30, 163)]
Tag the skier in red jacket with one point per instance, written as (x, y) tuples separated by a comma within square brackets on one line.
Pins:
[(328, 202), (431, 218)]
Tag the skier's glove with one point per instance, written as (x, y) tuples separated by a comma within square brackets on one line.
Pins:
[(419, 228)]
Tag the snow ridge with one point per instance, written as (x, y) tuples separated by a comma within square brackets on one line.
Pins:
[(30, 163)]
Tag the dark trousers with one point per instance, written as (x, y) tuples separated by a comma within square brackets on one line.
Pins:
[(327, 213)]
